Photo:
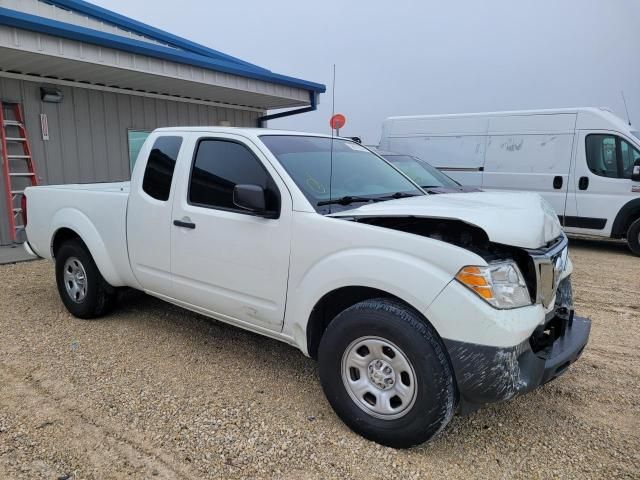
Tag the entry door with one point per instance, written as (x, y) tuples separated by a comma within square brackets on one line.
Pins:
[(227, 261), (604, 163), (149, 214)]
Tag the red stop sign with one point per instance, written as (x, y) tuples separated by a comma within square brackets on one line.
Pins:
[(338, 121)]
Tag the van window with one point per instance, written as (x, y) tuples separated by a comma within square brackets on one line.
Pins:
[(630, 156), (159, 170), (610, 156), (219, 166)]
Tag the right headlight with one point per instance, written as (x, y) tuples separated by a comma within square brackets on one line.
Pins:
[(500, 284)]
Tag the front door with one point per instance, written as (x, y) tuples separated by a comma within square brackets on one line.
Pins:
[(603, 185), (227, 261)]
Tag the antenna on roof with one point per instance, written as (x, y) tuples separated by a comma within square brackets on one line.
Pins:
[(333, 112), (624, 100)]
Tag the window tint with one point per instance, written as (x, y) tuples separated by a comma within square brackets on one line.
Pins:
[(221, 165), (159, 172)]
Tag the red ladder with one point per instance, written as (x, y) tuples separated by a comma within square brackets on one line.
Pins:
[(17, 166)]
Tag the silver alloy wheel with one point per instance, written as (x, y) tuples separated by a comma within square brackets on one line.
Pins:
[(379, 377), (75, 279)]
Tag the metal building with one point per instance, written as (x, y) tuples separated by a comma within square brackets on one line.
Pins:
[(91, 84)]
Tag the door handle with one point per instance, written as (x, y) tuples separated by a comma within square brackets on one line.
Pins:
[(557, 182), (583, 183), (180, 223)]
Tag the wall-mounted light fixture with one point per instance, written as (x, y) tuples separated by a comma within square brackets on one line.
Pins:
[(51, 95)]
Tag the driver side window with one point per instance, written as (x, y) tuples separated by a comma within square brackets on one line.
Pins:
[(610, 156), (218, 167), (630, 156)]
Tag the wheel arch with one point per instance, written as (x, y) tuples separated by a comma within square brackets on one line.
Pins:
[(629, 212), (338, 300), (70, 223), (61, 236)]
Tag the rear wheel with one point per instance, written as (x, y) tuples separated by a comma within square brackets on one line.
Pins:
[(82, 289), (633, 237), (385, 372)]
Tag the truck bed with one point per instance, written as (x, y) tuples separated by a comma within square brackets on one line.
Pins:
[(99, 209), (119, 187)]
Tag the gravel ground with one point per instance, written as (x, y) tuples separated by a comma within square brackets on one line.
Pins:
[(153, 391)]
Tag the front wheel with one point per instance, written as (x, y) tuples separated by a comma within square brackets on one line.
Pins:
[(82, 289), (386, 374), (633, 237)]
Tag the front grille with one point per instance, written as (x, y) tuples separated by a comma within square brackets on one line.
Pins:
[(549, 265)]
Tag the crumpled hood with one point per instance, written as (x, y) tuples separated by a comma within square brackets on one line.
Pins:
[(518, 219)]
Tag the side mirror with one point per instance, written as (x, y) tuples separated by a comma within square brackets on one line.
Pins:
[(250, 197), (635, 173)]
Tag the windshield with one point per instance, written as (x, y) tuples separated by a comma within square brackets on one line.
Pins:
[(356, 176), (421, 172)]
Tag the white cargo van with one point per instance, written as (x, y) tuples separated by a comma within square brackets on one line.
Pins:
[(584, 161)]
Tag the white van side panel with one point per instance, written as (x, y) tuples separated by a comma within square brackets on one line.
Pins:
[(541, 123), (531, 163), (459, 156), (430, 126)]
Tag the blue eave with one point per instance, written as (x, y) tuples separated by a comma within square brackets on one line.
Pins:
[(47, 26), (143, 29)]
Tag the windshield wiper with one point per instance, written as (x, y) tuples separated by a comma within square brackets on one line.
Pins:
[(346, 200), (397, 195)]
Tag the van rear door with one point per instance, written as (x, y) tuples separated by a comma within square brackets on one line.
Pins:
[(531, 153)]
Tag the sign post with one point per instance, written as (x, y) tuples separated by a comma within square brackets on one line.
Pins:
[(337, 122)]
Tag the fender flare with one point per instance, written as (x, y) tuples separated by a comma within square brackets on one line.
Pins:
[(79, 223), (381, 272), (629, 211)]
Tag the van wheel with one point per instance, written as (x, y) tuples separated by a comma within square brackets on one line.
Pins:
[(633, 237), (385, 372), (82, 289)]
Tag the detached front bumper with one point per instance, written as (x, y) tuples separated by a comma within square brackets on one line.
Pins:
[(492, 374)]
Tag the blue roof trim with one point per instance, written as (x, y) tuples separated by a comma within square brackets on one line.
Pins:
[(34, 23), (143, 29)]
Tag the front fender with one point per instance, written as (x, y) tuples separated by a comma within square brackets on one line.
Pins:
[(407, 277), (77, 221)]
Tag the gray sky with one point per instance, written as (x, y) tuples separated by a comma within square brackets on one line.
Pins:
[(420, 57)]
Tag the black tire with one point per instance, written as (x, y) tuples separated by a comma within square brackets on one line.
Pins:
[(435, 396), (633, 237), (99, 296)]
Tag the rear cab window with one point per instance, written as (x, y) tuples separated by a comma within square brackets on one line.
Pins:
[(158, 172)]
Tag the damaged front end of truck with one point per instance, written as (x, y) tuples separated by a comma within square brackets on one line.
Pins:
[(487, 374)]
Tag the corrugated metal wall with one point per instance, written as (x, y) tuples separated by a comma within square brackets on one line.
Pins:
[(88, 131)]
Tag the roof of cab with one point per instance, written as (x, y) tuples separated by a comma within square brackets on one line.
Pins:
[(248, 131)]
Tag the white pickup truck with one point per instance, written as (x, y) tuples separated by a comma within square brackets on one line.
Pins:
[(416, 305)]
